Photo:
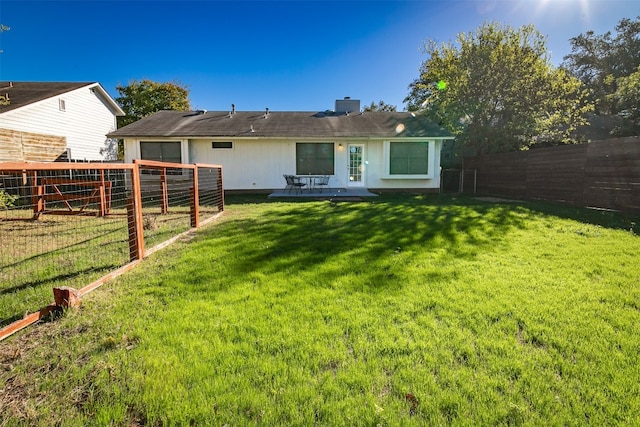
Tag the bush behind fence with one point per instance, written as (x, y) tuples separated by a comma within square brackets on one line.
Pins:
[(68, 224)]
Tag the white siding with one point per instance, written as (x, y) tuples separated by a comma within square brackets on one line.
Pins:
[(258, 164), (85, 122), (250, 164)]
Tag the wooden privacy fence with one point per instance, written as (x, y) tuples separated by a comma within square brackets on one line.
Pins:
[(69, 224), (603, 174)]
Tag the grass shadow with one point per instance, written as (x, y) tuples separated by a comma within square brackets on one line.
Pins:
[(373, 244), (602, 217), (614, 220)]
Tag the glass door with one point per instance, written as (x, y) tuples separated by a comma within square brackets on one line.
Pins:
[(356, 165)]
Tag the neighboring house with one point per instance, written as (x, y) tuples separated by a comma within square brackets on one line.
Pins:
[(375, 150), (45, 121)]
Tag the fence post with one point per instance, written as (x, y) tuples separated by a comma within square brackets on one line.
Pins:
[(195, 199), (134, 216), (37, 196), (103, 205), (220, 190), (164, 190)]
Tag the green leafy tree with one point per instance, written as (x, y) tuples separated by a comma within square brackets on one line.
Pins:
[(141, 98), (497, 91), (380, 106), (599, 60), (627, 97)]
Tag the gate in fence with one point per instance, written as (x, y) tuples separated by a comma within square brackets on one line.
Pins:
[(458, 181)]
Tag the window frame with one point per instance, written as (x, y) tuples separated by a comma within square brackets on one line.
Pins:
[(213, 143), (171, 171), (430, 159), (331, 171), (162, 144)]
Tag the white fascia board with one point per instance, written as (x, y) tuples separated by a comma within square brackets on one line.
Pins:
[(103, 94)]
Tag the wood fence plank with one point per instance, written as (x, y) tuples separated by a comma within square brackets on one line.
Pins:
[(603, 174)]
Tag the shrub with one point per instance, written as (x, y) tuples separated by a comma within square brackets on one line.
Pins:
[(6, 199)]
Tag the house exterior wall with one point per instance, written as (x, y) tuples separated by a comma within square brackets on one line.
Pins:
[(257, 164), (84, 123), (378, 178), (260, 163)]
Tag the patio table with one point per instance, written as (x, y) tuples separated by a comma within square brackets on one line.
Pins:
[(311, 179)]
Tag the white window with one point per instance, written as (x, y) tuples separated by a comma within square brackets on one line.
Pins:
[(62, 105), (409, 159)]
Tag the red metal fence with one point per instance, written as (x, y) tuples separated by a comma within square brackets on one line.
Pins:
[(603, 174), (70, 224)]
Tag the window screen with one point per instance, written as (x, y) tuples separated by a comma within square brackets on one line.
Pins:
[(222, 144), (161, 151), (316, 158), (409, 158)]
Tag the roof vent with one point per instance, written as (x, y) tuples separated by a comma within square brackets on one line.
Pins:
[(251, 129), (266, 113), (233, 110), (200, 111)]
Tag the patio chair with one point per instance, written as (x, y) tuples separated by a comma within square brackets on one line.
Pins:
[(321, 181), (293, 182)]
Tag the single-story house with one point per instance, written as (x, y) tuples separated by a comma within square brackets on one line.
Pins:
[(45, 121), (374, 150)]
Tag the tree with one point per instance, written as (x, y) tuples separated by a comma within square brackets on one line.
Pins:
[(380, 106), (627, 97), (142, 98), (600, 60), (497, 91)]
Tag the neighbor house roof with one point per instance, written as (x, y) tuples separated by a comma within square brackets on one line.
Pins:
[(192, 124), (21, 94)]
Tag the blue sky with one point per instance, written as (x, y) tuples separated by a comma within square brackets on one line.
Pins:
[(286, 55)]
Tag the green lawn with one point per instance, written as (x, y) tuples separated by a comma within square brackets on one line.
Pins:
[(68, 250), (401, 310)]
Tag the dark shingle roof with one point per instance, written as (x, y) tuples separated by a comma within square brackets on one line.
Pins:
[(281, 124), (25, 93)]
